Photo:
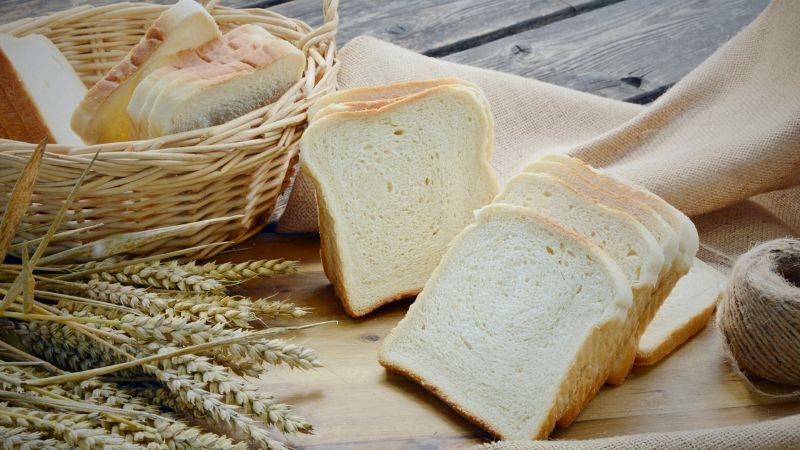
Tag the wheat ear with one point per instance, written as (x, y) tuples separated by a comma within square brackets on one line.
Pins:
[(20, 438), (77, 429), (240, 271)]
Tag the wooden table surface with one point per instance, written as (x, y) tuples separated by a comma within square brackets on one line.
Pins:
[(355, 404), (629, 50)]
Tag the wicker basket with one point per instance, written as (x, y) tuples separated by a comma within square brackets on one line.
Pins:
[(237, 169)]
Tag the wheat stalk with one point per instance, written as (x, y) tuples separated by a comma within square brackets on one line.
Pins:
[(197, 381), (20, 438), (130, 296), (159, 276), (167, 329), (174, 433), (240, 271), (76, 429), (217, 380)]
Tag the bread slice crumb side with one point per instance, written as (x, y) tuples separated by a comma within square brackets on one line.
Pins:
[(596, 187), (388, 205), (512, 344), (625, 239)]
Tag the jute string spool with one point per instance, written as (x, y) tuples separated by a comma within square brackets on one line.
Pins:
[(759, 320)]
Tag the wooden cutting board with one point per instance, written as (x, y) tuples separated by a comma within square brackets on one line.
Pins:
[(355, 404)]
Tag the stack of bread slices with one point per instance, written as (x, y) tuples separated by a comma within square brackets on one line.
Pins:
[(185, 74), (221, 80), (544, 298), (398, 171)]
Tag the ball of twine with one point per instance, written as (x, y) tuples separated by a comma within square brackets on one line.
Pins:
[(759, 319)]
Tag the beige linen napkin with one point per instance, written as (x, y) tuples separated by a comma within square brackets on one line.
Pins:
[(727, 132)]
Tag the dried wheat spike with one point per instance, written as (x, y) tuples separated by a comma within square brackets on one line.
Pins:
[(216, 379), (174, 433), (278, 309), (240, 271), (160, 276), (214, 308), (63, 346), (239, 310), (20, 438), (130, 296), (77, 429), (210, 405), (177, 330)]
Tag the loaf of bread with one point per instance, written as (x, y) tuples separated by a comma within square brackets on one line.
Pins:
[(520, 318), (38, 91), (685, 312), (102, 114), (219, 81), (389, 203)]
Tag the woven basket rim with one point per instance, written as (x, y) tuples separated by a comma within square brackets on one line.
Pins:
[(28, 25), (234, 170)]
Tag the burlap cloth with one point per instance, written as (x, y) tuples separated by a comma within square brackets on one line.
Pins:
[(781, 434), (723, 145)]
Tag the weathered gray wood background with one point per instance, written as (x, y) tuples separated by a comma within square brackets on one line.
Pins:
[(630, 50)]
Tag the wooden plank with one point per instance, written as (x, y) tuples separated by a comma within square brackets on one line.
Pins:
[(355, 404), (438, 27), (630, 50)]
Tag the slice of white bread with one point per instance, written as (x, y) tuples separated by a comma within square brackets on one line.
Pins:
[(683, 314), (219, 81), (621, 236), (40, 91), (382, 92), (102, 115), (625, 239), (592, 185), (520, 318), (389, 203), (688, 240), (595, 189)]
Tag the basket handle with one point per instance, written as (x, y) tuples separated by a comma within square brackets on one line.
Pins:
[(330, 12)]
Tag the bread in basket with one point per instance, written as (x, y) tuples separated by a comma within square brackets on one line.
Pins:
[(237, 169)]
